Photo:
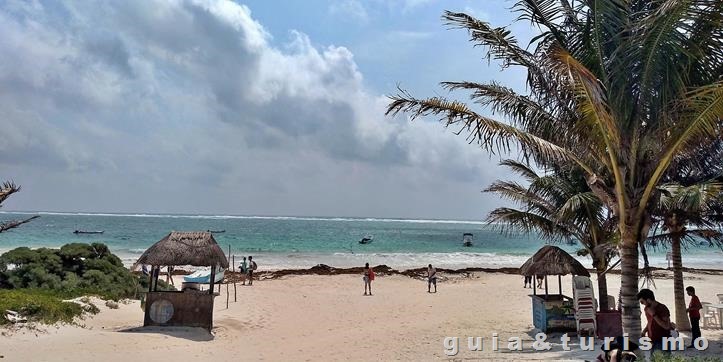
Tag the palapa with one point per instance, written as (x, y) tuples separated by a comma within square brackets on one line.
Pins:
[(197, 248), (551, 260)]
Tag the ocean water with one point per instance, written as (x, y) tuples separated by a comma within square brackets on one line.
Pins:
[(302, 242)]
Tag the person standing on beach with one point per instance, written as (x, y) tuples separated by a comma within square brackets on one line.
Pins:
[(658, 316), (169, 275), (431, 278), (528, 281), (368, 277), (252, 266), (540, 279), (243, 270), (694, 314)]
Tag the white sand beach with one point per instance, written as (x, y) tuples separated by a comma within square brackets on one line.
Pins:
[(327, 318)]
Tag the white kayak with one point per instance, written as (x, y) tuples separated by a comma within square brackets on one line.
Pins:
[(203, 276)]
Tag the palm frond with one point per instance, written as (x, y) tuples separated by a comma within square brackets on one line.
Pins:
[(700, 119), (508, 220), (521, 169), (8, 188), (501, 45), (490, 134)]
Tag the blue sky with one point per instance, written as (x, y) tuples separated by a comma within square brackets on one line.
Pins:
[(256, 107)]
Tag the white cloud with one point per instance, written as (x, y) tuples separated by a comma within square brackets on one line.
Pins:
[(190, 98), (353, 9)]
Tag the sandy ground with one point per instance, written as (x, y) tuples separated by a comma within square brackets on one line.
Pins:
[(326, 318)]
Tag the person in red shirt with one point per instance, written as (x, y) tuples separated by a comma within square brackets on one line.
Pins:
[(694, 313), (658, 317)]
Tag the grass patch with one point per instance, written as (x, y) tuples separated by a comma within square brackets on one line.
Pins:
[(661, 357), (43, 306)]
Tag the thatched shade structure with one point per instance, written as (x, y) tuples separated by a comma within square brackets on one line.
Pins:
[(197, 248), (551, 260), (181, 308)]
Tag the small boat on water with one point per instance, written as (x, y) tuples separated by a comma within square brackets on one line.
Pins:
[(216, 231), (203, 276), (367, 239), (88, 231), (467, 239)]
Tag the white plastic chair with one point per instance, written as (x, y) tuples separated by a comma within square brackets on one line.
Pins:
[(710, 317)]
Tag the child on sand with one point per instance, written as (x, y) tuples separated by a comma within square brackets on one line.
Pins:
[(368, 278)]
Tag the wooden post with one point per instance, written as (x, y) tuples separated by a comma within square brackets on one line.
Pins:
[(559, 284), (156, 271), (534, 285), (212, 280), (545, 286), (226, 295), (233, 259)]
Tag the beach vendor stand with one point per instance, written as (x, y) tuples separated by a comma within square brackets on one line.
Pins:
[(552, 312), (190, 308)]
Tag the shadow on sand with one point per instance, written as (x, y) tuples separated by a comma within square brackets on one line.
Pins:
[(189, 333)]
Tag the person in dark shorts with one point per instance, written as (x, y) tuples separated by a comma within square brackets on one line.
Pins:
[(528, 281), (431, 278), (368, 278), (251, 268), (658, 316), (694, 314)]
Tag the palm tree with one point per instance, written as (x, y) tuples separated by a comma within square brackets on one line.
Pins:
[(560, 207), (620, 89), (8, 188), (687, 214)]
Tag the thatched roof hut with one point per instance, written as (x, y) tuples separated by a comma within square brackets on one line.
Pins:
[(197, 248), (551, 260)]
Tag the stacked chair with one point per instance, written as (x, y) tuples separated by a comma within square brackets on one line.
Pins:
[(710, 317), (585, 305)]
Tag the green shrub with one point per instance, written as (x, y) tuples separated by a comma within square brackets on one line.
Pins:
[(40, 306), (73, 270)]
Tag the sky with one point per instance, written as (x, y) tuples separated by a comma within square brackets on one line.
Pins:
[(245, 108)]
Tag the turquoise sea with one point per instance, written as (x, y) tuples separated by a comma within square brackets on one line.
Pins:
[(302, 242)]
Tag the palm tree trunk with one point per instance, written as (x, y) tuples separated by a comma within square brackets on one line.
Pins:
[(629, 287), (602, 283), (602, 288), (681, 317)]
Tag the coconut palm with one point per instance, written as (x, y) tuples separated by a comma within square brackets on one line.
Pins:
[(687, 214), (620, 89), (8, 188), (559, 207)]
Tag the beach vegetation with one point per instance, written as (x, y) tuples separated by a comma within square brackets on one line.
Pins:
[(559, 207), (663, 357), (41, 305), (629, 92), (71, 271), (688, 216)]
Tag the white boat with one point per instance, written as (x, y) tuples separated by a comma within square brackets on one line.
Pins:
[(203, 276)]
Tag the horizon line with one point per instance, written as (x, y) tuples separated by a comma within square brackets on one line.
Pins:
[(171, 214)]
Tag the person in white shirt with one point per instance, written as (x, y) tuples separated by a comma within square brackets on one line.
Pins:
[(431, 278)]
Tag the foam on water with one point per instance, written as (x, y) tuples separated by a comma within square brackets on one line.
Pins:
[(279, 242)]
